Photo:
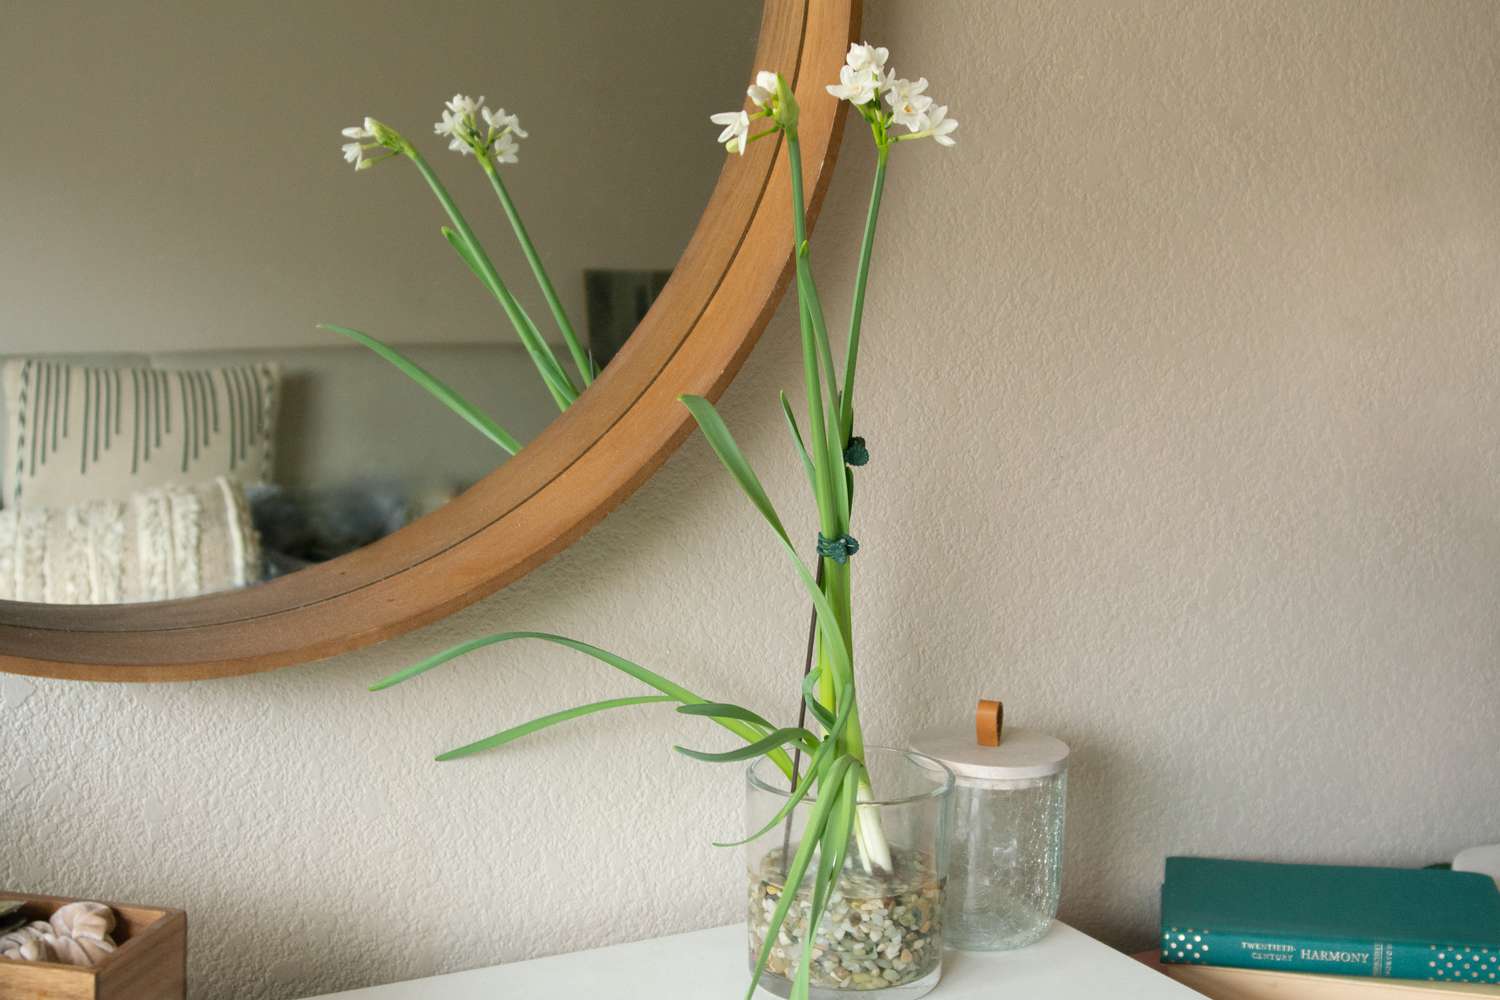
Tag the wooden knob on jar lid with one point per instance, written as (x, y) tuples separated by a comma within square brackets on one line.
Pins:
[(987, 722)]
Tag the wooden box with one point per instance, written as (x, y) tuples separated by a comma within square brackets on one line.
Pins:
[(149, 964)]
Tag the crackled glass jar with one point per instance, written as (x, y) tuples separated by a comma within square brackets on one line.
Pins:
[(1006, 835), (883, 927)]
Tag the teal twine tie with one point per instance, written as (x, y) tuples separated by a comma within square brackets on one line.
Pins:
[(838, 549), (856, 454)]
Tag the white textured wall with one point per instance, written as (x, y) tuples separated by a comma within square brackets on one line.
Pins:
[(1185, 413)]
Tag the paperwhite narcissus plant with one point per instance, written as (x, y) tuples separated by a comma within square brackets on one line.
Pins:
[(505, 148), (502, 122), (763, 90), (841, 819), (862, 75), (735, 136), (384, 138), (908, 103), (765, 94), (495, 142), (939, 126), (864, 81), (855, 86), (489, 135), (863, 56), (461, 105)]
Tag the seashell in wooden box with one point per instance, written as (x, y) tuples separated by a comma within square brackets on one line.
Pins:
[(150, 962)]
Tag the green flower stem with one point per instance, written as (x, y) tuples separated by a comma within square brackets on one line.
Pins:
[(830, 436), (564, 392), (580, 357), (833, 521), (857, 310), (822, 486), (840, 595), (828, 466), (807, 293), (809, 288), (827, 693), (829, 417)]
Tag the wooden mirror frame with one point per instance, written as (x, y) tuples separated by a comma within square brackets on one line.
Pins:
[(693, 340)]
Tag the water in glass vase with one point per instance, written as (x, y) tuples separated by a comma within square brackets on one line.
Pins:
[(880, 932)]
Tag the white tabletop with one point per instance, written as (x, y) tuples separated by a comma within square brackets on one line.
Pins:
[(710, 965)]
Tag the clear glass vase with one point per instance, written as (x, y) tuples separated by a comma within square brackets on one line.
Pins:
[(883, 927)]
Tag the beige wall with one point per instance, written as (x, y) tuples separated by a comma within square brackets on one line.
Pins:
[(1185, 422), (172, 177)]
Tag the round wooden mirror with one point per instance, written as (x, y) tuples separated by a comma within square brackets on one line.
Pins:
[(693, 340)]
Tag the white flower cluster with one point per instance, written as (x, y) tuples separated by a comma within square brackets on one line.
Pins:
[(354, 152), (864, 79), (863, 74), (763, 91), (736, 134), (460, 123)]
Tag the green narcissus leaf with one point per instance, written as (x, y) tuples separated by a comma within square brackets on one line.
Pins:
[(744, 731), (776, 740), (817, 818), (804, 785), (834, 728), (833, 847), (722, 442), (464, 253), (791, 423), (527, 728), (825, 719), (435, 386), (723, 710), (724, 446)]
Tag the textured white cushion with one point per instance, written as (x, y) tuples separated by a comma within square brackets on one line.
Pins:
[(76, 433), (161, 543)]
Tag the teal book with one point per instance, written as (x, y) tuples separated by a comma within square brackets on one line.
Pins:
[(1399, 923)]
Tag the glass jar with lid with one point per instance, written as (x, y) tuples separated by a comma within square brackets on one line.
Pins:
[(1006, 832)]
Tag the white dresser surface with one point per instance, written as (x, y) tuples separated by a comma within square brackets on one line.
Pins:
[(710, 965)]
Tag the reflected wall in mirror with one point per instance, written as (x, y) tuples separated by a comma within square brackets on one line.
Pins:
[(179, 218)]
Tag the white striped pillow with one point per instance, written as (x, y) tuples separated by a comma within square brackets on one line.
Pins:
[(162, 543), (78, 433)]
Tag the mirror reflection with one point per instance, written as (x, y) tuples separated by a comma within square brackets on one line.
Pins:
[(180, 220)]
